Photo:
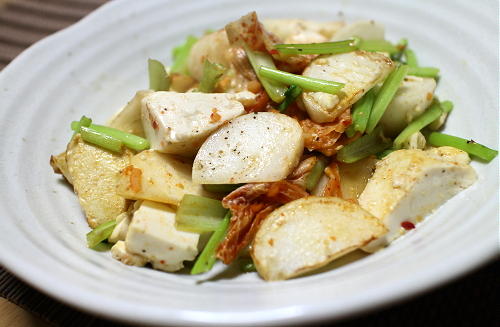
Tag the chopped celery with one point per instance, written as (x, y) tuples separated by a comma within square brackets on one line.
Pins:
[(447, 106), (103, 247), (180, 55), (427, 117), (306, 83), (211, 75), (361, 113), (98, 138), (158, 77), (274, 89), (385, 153), (315, 174), (206, 259), (100, 234), (290, 95), (469, 146), (132, 141), (424, 71), (377, 45), (411, 58), (385, 96), (401, 46), (363, 147), (199, 214), (318, 48), (221, 188), (247, 265), (84, 121)]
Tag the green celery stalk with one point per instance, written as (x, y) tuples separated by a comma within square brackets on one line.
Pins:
[(206, 259), (385, 96), (361, 113), (84, 121), (180, 55), (199, 214), (318, 48), (377, 45), (221, 188), (315, 174), (290, 96), (274, 89), (424, 71), (306, 83), (132, 141), (158, 77), (212, 72), (401, 46), (411, 58), (385, 153), (98, 138), (247, 265), (469, 146), (100, 234), (427, 117), (363, 147)]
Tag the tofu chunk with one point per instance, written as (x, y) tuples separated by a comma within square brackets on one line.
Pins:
[(409, 184), (178, 123), (359, 70), (128, 119), (152, 235), (302, 31), (412, 98), (93, 172), (159, 177)]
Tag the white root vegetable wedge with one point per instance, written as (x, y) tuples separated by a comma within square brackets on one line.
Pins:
[(302, 31), (308, 233), (179, 123), (257, 147), (213, 47), (359, 70), (152, 235), (409, 184), (412, 98), (94, 174), (365, 29), (128, 119), (159, 177)]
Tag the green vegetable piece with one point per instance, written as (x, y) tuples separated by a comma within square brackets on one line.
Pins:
[(411, 58), (290, 96), (424, 71), (100, 139), (274, 89), (446, 106), (221, 188), (377, 45), (103, 247), (469, 146), (247, 265), (207, 258), (158, 77), (180, 55), (401, 46), (361, 113), (432, 113), (318, 48), (306, 83), (363, 147), (132, 141), (315, 174), (199, 214), (84, 121), (385, 96), (212, 72), (100, 234)]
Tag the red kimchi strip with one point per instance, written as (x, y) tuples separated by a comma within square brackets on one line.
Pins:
[(324, 137), (332, 188), (250, 204)]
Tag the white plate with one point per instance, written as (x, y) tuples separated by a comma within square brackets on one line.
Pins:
[(95, 66)]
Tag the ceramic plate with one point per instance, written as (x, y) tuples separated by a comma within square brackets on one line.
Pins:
[(95, 66)]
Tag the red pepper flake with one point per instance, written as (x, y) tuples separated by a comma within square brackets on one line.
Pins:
[(273, 52), (407, 225)]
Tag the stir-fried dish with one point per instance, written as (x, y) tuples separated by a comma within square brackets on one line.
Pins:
[(280, 145)]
